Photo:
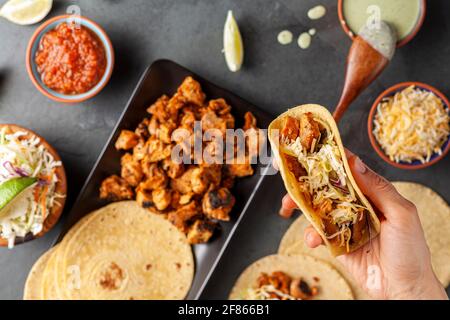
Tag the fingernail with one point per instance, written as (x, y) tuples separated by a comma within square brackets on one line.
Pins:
[(360, 166), (310, 238)]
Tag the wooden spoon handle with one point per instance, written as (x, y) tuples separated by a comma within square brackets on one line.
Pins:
[(364, 64)]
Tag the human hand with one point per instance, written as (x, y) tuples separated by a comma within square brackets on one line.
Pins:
[(397, 263)]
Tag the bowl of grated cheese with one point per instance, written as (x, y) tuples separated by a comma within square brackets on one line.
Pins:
[(409, 125)]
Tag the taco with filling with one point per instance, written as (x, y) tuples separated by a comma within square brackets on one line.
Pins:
[(312, 162)]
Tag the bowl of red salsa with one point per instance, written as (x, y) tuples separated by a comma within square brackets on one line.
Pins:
[(70, 58)]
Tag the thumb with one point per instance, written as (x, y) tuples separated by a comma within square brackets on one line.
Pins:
[(379, 191)]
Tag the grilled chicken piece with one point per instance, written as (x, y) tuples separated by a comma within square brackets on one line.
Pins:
[(142, 129), (249, 121), (227, 180), (131, 170), (294, 166), (205, 178), (144, 197), (183, 184), (160, 109), (192, 91), (115, 188), (242, 169), (290, 128), (210, 121), (140, 150), (173, 170), (181, 217), (301, 290), (127, 140), (324, 207), (200, 231), (187, 120), (278, 279), (157, 150), (219, 106), (217, 204), (156, 177), (153, 126), (309, 130), (161, 198), (164, 132)]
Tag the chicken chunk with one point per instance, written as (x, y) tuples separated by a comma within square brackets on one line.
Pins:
[(142, 129), (140, 150), (240, 169), (217, 204), (161, 110), (294, 166), (227, 180), (249, 121), (278, 279), (192, 91), (115, 188), (291, 128), (300, 289), (219, 106), (157, 150), (211, 121), (309, 130), (156, 177), (205, 178), (173, 170), (131, 170), (127, 140), (187, 120), (181, 217), (144, 198), (200, 231), (161, 198), (183, 184)]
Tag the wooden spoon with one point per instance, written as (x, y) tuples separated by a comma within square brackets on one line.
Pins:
[(369, 54)]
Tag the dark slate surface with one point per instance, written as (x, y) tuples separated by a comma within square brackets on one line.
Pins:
[(274, 77)]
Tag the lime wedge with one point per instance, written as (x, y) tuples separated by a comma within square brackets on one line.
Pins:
[(26, 11), (232, 44), (12, 188)]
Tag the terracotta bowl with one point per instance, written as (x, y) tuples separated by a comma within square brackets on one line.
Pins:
[(33, 46), (388, 93), (61, 188), (351, 34)]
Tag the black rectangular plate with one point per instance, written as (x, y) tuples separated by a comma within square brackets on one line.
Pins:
[(164, 77)]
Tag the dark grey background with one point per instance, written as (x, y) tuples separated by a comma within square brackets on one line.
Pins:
[(274, 77)]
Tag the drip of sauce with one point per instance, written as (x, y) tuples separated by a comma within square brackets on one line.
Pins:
[(317, 12), (304, 40), (285, 37), (402, 15)]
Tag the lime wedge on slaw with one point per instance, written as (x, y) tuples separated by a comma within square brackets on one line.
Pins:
[(12, 188), (26, 12)]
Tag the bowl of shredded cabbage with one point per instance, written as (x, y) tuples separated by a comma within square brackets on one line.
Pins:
[(33, 185), (409, 125)]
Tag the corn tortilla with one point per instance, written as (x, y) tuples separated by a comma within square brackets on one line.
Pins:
[(331, 284), (291, 183)]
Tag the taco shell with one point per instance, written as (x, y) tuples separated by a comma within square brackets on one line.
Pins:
[(292, 186)]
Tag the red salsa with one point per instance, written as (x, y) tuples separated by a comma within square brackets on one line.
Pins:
[(70, 59)]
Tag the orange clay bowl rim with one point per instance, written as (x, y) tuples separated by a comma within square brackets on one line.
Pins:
[(61, 187), (388, 92), (408, 38), (43, 90)]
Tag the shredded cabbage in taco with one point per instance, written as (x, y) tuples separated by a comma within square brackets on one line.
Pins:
[(26, 157), (312, 155)]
